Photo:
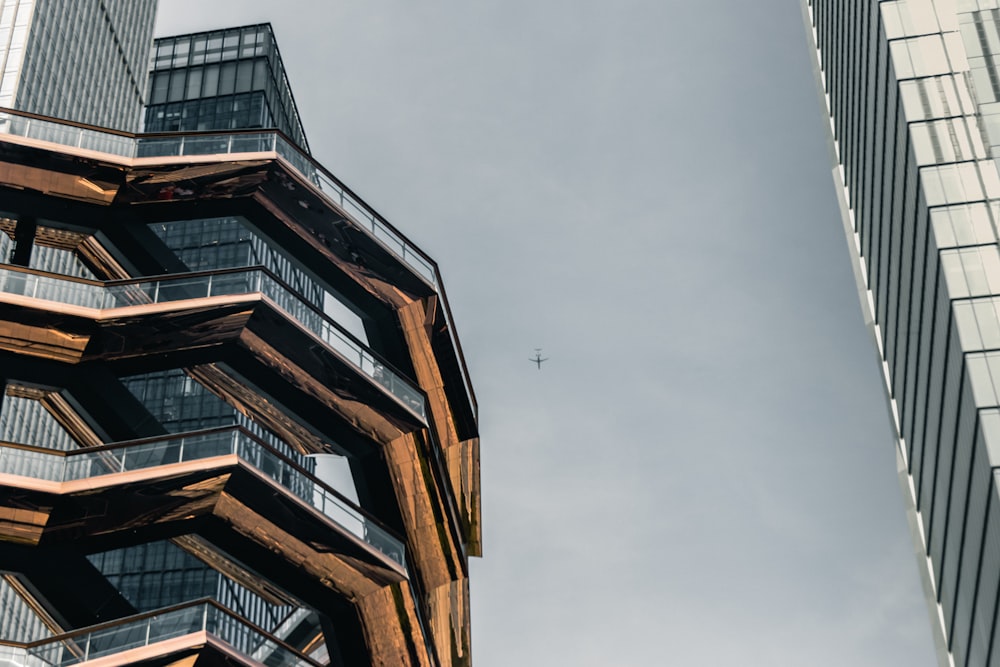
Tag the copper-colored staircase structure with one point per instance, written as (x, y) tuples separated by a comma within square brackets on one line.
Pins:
[(389, 578)]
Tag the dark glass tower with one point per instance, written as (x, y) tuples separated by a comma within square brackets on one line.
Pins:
[(220, 80), (236, 425)]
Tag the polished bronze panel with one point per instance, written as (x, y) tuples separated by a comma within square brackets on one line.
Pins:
[(100, 261), (439, 500), (386, 607), (20, 525), (47, 181), (462, 457), (440, 564), (449, 621), (463, 463), (66, 333), (41, 341), (426, 506), (192, 182), (122, 508)]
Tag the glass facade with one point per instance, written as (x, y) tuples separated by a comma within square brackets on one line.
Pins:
[(225, 79), (15, 20), (911, 89), (46, 51)]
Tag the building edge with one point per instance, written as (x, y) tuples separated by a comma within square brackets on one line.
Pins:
[(866, 301)]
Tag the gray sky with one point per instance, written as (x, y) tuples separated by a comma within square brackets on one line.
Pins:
[(703, 473)]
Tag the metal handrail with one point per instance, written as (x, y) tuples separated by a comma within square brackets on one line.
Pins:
[(127, 145), (151, 289), (147, 629), (207, 443)]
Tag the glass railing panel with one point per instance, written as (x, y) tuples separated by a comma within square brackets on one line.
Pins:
[(104, 142), (51, 289), (326, 502), (122, 296), (252, 143), (227, 284), (240, 282), (379, 538), (91, 464), (17, 656), (205, 446), (181, 289), (66, 135), (212, 144), (28, 463), (176, 623), (109, 641), (85, 464), (360, 525), (12, 124), (151, 630), (293, 156), (220, 144), (359, 212), (52, 654), (127, 146), (140, 457), (389, 240), (158, 147), (344, 345), (19, 126)]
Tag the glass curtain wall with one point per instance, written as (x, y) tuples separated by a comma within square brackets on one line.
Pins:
[(912, 94), (226, 79)]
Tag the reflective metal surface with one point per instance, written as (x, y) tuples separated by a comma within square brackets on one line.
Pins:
[(252, 346), (239, 143)]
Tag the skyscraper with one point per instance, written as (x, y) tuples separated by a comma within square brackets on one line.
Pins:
[(49, 50), (221, 79), (187, 320), (911, 90)]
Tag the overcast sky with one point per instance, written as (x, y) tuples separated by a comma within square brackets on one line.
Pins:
[(703, 473)]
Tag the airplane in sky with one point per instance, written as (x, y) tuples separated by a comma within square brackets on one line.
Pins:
[(538, 358)]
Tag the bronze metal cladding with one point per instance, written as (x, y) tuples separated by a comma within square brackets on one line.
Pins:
[(248, 351)]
